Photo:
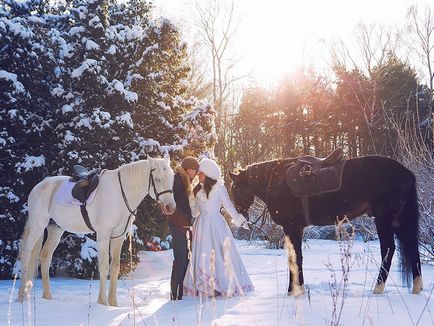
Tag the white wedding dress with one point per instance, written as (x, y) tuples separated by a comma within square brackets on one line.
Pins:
[(215, 266)]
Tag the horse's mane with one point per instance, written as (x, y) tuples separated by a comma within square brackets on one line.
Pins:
[(133, 174), (266, 166)]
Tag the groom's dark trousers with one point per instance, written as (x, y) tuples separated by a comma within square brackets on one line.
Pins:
[(179, 225)]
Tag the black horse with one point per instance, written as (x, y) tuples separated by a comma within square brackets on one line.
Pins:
[(375, 185)]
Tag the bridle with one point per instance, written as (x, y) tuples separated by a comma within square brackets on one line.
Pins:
[(240, 208), (154, 188), (267, 192), (124, 196)]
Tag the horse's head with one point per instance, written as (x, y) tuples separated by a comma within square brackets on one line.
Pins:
[(161, 183), (242, 192)]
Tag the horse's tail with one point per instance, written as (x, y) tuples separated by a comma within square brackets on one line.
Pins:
[(23, 239), (407, 234), (22, 243)]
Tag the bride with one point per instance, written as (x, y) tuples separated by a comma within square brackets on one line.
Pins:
[(215, 267)]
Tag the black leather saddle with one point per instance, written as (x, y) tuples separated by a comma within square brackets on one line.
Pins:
[(86, 182), (311, 175)]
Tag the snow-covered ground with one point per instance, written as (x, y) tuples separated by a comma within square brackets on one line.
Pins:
[(74, 301)]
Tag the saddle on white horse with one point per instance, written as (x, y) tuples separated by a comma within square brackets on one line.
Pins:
[(80, 189), (64, 195)]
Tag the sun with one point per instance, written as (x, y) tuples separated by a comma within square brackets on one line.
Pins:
[(279, 38), (276, 37)]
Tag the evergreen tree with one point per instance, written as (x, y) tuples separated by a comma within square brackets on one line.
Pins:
[(26, 120), (93, 82)]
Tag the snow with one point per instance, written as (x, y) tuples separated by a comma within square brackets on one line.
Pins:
[(154, 75), (88, 249), (16, 27), (6, 192), (95, 22), (88, 64), (65, 49), (163, 105), (36, 20), (12, 197), (69, 137), (76, 30), (128, 95), (73, 155), (58, 91), (85, 122), (74, 301), (12, 113), (31, 162), (91, 45), (111, 50), (151, 48), (67, 108), (135, 33), (13, 78), (132, 77), (126, 118)]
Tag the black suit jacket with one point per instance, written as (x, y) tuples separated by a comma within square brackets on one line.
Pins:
[(182, 215)]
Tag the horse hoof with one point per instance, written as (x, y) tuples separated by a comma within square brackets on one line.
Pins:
[(417, 285), (113, 304), (47, 297), (298, 290), (379, 288), (103, 302)]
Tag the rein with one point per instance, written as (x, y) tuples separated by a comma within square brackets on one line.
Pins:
[(124, 196), (128, 207), (267, 192)]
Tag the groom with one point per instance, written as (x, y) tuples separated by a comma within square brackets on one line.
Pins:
[(180, 223)]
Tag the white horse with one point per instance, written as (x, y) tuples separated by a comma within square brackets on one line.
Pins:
[(109, 213)]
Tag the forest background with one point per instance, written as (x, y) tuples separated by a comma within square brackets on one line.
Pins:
[(102, 83)]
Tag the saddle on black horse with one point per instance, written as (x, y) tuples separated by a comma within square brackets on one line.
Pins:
[(312, 176), (86, 182)]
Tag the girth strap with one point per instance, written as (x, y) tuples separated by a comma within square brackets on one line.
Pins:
[(84, 210), (305, 206), (86, 217)]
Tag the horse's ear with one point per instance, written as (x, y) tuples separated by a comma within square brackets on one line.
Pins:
[(232, 175), (167, 157)]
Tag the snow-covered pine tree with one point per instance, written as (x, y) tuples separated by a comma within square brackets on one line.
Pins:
[(115, 90), (26, 116)]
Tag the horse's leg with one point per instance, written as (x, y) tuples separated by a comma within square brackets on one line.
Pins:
[(103, 266), (295, 258), (387, 245), (34, 258), (21, 253), (54, 235), (32, 240), (115, 253)]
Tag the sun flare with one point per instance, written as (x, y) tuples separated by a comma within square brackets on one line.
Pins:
[(282, 37)]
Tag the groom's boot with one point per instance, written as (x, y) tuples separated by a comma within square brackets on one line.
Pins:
[(174, 284), (180, 291)]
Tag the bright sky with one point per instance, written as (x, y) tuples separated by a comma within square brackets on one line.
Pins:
[(276, 36)]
